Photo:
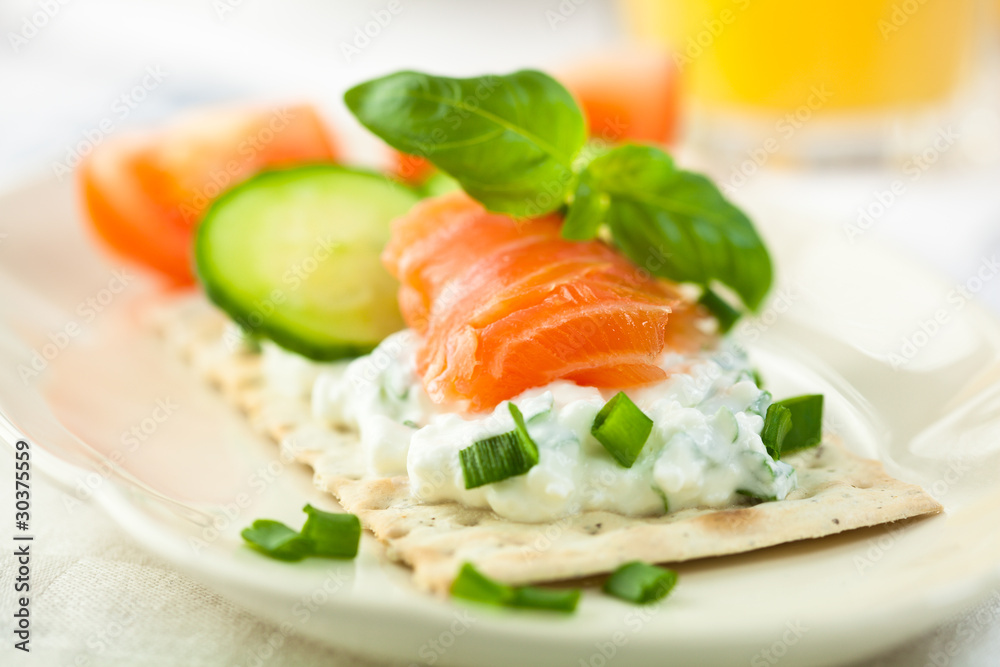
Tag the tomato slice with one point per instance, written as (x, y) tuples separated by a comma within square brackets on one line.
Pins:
[(410, 169), (627, 95), (145, 192)]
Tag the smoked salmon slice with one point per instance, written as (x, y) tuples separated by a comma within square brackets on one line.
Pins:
[(504, 305)]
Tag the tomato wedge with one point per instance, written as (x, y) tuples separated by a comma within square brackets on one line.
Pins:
[(145, 192), (627, 95), (410, 169)]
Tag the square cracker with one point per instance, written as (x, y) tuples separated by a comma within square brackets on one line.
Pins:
[(837, 491)]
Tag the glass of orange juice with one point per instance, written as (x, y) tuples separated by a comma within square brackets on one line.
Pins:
[(825, 79)]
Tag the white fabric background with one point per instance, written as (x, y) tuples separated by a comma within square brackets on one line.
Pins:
[(98, 598)]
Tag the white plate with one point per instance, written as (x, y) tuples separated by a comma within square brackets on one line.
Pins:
[(934, 421)]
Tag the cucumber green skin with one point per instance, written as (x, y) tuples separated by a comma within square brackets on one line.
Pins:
[(439, 183), (215, 286)]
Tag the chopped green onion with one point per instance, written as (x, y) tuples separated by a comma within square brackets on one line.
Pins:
[(275, 539), (532, 597), (521, 429), (777, 424), (471, 584), (640, 582), (807, 422), (331, 535), (325, 534), (622, 428), (500, 456), (725, 314)]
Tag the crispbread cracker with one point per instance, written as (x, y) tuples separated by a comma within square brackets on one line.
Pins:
[(837, 491)]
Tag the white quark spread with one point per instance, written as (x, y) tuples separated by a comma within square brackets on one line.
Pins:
[(705, 448)]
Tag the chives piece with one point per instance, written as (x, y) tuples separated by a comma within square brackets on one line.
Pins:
[(471, 584), (325, 534), (777, 424), (332, 535), (532, 597), (622, 428), (640, 582), (807, 422), (275, 539), (500, 456)]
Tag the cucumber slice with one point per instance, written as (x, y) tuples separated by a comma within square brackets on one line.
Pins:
[(439, 183), (293, 255)]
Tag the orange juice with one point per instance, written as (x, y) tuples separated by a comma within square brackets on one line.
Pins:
[(857, 55)]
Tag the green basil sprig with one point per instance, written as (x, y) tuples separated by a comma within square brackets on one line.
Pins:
[(508, 140), (677, 224), (515, 143)]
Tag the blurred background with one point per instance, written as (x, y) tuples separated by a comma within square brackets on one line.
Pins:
[(881, 117)]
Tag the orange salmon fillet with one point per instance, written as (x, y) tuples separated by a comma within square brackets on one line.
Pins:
[(504, 305)]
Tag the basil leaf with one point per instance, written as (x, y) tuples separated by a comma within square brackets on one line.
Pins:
[(509, 141), (586, 213), (677, 224), (725, 314)]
